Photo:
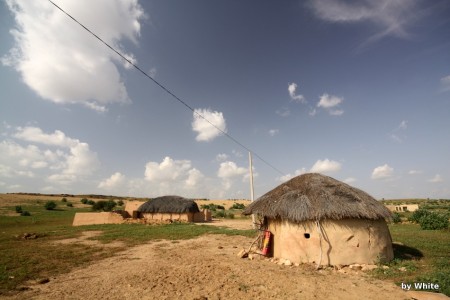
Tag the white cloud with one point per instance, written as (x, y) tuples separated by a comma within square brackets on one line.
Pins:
[(290, 176), (273, 132), (292, 89), (397, 134), (326, 166), (445, 83), (237, 153), (35, 134), (381, 172), (414, 172), (116, 180), (72, 160), (229, 169), (392, 18), (171, 177), (437, 178), (331, 103), (194, 177), (167, 170), (221, 157), (206, 131), (283, 112), (56, 57), (349, 180)]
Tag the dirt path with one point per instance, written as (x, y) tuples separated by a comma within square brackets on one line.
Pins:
[(205, 268)]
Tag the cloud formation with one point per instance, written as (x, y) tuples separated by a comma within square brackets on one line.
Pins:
[(382, 172), (67, 160), (445, 83), (436, 179), (331, 104), (325, 166), (390, 17), (203, 118), (273, 132), (292, 89), (56, 57), (116, 180)]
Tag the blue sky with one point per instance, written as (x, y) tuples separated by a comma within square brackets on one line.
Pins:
[(359, 91)]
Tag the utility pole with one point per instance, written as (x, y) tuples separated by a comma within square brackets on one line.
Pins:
[(251, 187)]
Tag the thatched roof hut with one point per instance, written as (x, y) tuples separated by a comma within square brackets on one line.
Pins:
[(317, 197), (169, 204), (315, 218)]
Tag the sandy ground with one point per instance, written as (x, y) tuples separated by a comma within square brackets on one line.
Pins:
[(205, 268)]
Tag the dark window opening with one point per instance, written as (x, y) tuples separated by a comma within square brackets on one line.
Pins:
[(306, 235)]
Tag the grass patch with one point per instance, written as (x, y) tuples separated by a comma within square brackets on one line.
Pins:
[(22, 260), (423, 256)]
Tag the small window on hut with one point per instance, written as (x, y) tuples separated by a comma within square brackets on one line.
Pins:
[(306, 235)]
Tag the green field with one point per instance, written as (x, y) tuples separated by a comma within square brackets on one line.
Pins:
[(420, 255)]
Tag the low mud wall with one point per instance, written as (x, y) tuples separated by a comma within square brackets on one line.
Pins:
[(97, 218)]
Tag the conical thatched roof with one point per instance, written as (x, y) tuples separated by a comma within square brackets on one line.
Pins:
[(169, 204), (317, 197)]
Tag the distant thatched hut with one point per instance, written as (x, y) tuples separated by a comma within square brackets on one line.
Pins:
[(174, 208), (315, 218)]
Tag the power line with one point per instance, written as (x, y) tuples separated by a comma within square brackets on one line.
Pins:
[(166, 89)]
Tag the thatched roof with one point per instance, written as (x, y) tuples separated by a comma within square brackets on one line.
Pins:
[(317, 197), (169, 204)]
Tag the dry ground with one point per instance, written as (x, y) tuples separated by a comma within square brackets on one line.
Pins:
[(204, 268)]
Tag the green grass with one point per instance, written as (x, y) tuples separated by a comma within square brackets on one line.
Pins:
[(425, 254), (22, 260)]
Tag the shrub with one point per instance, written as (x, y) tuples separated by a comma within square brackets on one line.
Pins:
[(69, 204), (219, 214), (396, 218), (84, 200), (418, 214), (18, 209), (238, 206), (90, 202), (120, 203), (104, 205), (50, 205), (220, 207), (63, 200), (433, 221), (25, 213), (229, 216)]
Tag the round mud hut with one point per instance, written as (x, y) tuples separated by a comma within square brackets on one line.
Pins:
[(317, 219), (172, 208)]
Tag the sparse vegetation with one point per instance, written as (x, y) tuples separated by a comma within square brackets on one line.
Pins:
[(84, 201), (18, 209), (238, 206), (50, 205), (64, 199), (25, 213), (396, 217), (103, 205), (429, 220), (69, 204), (120, 203)]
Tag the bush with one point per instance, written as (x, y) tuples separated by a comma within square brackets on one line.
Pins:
[(50, 205), (396, 218), (69, 205), (25, 213), (84, 200), (63, 200), (418, 214), (104, 205), (220, 207), (219, 214), (238, 206), (90, 202), (433, 221), (18, 209), (120, 203)]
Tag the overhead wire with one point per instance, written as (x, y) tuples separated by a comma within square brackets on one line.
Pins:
[(196, 113)]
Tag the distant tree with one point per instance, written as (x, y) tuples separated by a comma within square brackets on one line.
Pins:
[(63, 200), (25, 213), (120, 203), (18, 209), (90, 202), (69, 204), (50, 205), (396, 217), (104, 205), (84, 200)]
